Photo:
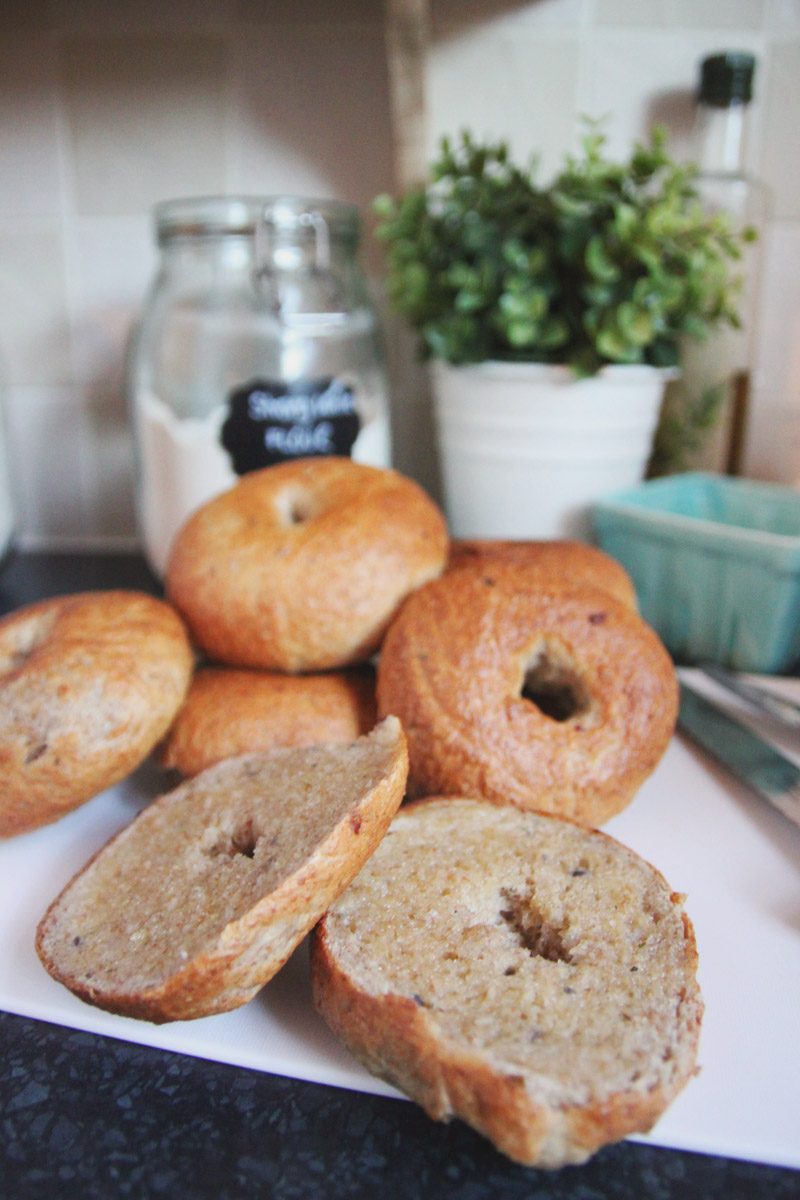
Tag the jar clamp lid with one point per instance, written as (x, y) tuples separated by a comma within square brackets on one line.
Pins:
[(215, 216)]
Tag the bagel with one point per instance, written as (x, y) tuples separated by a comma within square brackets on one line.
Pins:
[(536, 979), (301, 566), (196, 904), (230, 711), (525, 692), (89, 683), (570, 562)]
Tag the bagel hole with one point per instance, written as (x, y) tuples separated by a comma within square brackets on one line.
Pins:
[(297, 507), (541, 939), (242, 842), (22, 639), (554, 686)]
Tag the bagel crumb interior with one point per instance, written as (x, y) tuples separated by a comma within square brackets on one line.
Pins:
[(553, 949), (203, 857)]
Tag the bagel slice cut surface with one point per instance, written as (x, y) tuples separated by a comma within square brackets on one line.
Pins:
[(529, 975), (194, 906)]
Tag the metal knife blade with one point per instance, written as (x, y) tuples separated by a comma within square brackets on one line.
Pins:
[(783, 710), (746, 755)]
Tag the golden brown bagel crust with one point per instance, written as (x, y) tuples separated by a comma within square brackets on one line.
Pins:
[(301, 566), (453, 668), (230, 711), (89, 683), (571, 563)]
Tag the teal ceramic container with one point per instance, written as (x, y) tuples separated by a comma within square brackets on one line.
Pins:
[(716, 565)]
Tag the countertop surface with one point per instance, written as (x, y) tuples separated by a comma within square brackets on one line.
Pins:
[(88, 1116)]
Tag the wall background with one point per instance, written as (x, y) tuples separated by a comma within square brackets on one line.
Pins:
[(107, 106)]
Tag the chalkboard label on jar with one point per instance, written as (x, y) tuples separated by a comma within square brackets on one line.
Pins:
[(270, 422)]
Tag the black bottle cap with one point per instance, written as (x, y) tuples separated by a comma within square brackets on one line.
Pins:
[(727, 78)]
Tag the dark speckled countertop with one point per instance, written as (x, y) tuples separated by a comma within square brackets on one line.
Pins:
[(89, 1117)]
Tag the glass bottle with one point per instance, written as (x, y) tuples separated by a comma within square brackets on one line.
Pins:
[(716, 373), (257, 343)]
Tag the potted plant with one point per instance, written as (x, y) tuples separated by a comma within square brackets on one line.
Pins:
[(554, 315)]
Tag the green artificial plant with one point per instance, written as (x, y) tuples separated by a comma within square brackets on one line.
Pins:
[(608, 263)]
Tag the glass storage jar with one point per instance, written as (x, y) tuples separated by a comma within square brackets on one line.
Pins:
[(257, 343)]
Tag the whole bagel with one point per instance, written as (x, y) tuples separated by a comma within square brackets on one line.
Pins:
[(549, 698), (89, 683), (569, 562), (301, 566), (230, 711)]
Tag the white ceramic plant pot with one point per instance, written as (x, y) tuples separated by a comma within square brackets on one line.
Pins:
[(526, 449)]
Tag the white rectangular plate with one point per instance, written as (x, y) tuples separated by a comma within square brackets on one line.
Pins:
[(736, 859)]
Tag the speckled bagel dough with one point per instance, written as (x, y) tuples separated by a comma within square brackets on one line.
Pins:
[(231, 710), (567, 562), (477, 665), (89, 683), (301, 566)]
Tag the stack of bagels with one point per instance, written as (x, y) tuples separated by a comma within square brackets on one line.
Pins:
[(402, 745)]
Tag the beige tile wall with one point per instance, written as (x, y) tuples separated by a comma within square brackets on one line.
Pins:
[(107, 106)]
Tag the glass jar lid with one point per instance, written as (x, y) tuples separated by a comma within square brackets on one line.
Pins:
[(292, 217)]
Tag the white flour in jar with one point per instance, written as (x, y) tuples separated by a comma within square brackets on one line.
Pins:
[(182, 464)]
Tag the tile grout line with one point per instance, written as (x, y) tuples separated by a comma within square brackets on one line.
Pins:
[(89, 481)]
